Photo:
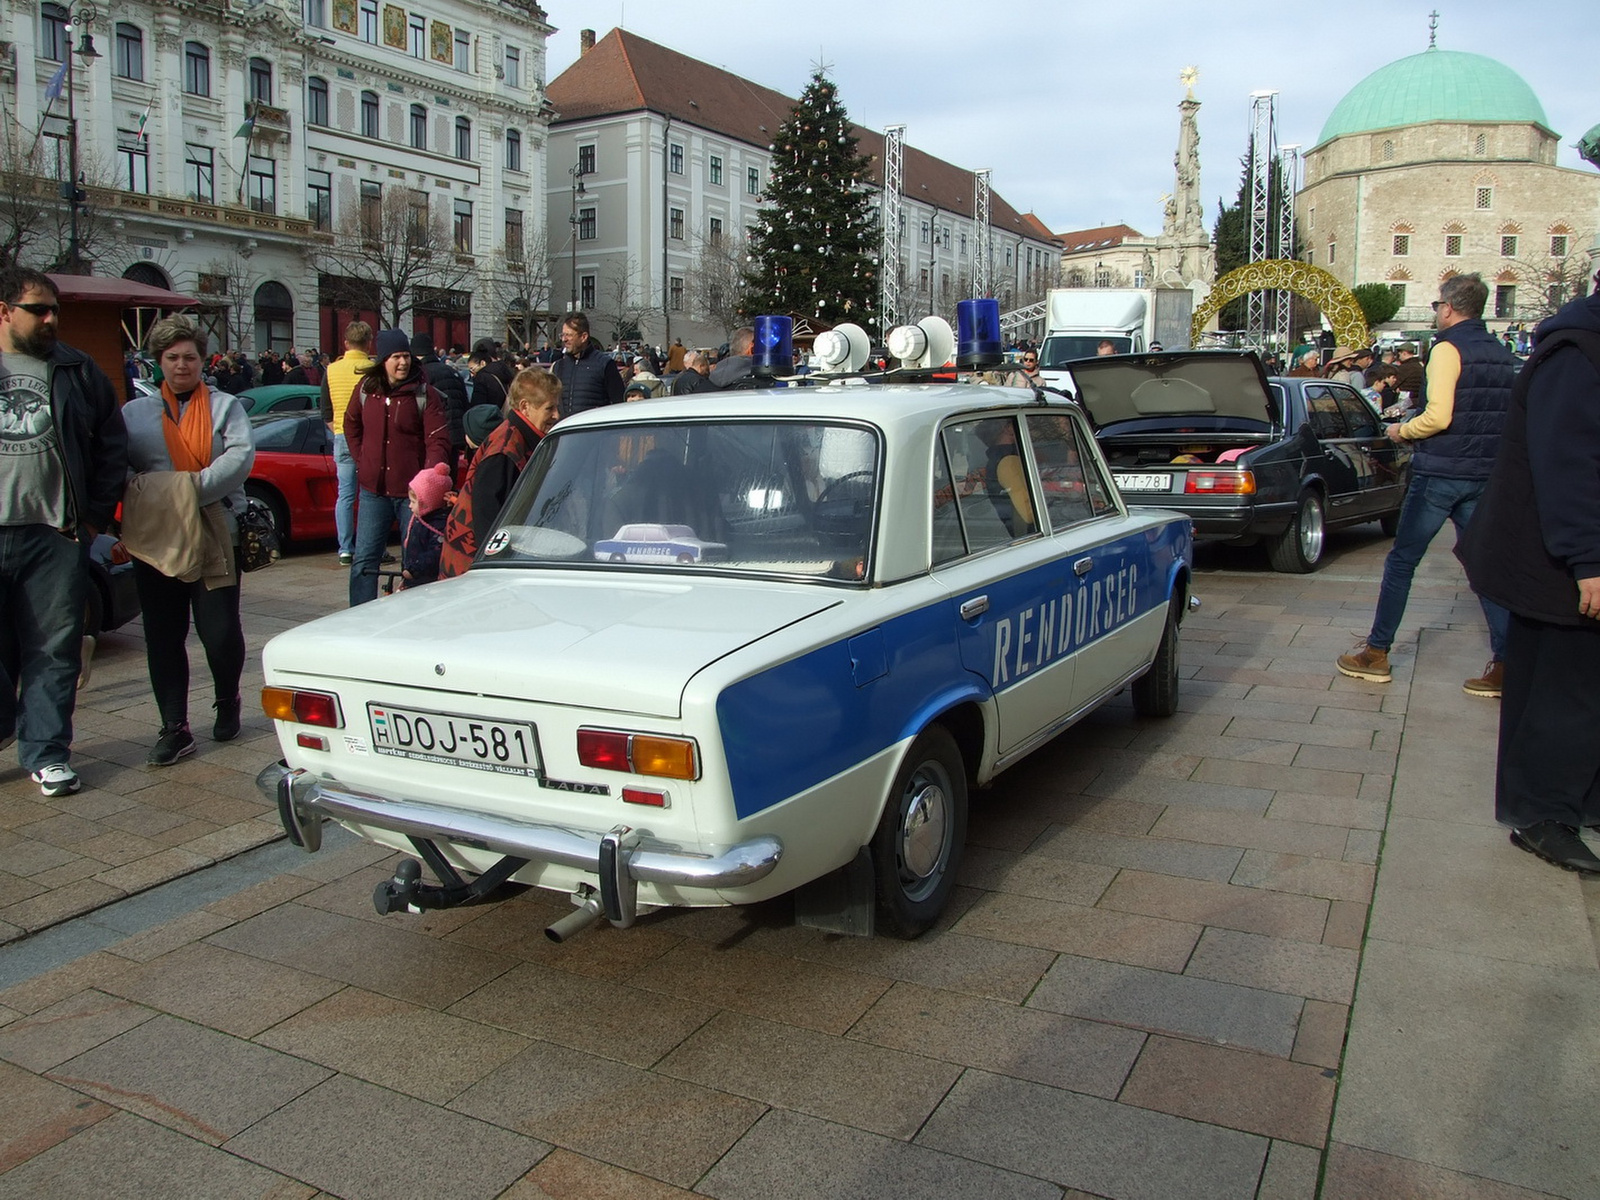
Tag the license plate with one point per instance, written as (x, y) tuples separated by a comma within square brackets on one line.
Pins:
[(503, 747), (1144, 483)]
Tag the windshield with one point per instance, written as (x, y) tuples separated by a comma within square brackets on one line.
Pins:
[(1063, 349), (769, 497)]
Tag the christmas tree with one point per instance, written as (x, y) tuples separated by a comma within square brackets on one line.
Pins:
[(814, 252)]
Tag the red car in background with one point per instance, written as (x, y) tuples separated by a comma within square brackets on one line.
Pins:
[(294, 474)]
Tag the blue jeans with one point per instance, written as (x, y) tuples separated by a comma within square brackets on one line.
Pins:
[(1430, 502), (344, 509), (374, 517), (43, 574)]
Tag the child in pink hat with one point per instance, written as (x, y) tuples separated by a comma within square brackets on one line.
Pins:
[(430, 498)]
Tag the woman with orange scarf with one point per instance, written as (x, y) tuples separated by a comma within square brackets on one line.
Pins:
[(190, 427)]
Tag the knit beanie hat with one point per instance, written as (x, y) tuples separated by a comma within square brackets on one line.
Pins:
[(390, 341), (480, 421), (430, 485)]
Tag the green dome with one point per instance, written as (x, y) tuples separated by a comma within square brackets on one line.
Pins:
[(1436, 85)]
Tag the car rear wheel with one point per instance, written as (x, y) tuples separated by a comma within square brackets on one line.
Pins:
[(1298, 549), (276, 509), (922, 833), (1155, 693)]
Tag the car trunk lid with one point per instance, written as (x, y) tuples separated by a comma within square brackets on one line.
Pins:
[(1202, 387)]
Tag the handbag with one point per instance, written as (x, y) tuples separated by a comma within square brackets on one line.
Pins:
[(258, 536)]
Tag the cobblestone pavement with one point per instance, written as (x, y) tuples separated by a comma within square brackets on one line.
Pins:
[(1144, 988)]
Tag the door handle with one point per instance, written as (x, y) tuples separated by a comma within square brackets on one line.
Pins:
[(1083, 566), (974, 608)]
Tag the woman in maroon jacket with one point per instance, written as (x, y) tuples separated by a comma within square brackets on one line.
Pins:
[(395, 425)]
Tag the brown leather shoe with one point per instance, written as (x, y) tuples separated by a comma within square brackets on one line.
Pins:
[(1487, 685), (1365, 663)]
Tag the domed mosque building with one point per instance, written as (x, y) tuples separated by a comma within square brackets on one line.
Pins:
[(1441, 164)]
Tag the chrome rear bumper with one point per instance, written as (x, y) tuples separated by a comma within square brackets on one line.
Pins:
[(621, 858)]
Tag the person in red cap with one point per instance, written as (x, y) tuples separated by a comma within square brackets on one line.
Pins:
[(430, 498)]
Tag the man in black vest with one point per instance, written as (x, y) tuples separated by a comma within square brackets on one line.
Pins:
[(1468, 387), (1534, 546), (589, 376)]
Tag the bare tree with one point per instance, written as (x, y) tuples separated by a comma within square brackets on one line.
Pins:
[(227, 286), (718, 290), (35, 212), (395, 245), (520, 288), (622, 301), (1545, 284)]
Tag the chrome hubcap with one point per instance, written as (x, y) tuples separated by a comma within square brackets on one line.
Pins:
[(1311, 532), (924, 830)]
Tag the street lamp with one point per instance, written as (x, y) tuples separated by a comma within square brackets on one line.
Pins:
[(78, 16), (577, 173)]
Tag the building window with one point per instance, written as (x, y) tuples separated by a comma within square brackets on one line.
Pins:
[(586, 160), (927, 232), (417, 222), (714, 171), (261, 80), (371, 210), (196, 69), (1333, 253), (53, 32), (1484, 198), (463, 137), (513, 67), (513, 150), (417, 36), (130, 52), (133, 161), (513, 235), (1505, 300), (461, 227), (419, 127), (319, 199), (752, 182), (586, 291), (675, 223), (1008, 256), (675, 159), (1452, 245), (199, 173), (586, 225), (263, 184), (1388, 150), (463, 50), (1398, 290), (714, 231), (369, 21), (316, 13), (1402, 244), (1480, 144), (316, 101), (675, 293), (1508, 246), (946, 240), (369, 114), (963, 243), (1558, 245)]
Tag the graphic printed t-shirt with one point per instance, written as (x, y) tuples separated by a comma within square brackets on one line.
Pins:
[(33, 483)]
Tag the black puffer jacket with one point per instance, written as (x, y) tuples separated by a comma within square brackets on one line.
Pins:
[(588, 381), (1466, 448), (94, 440)]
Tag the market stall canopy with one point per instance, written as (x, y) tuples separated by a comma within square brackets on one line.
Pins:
[(104, 289)]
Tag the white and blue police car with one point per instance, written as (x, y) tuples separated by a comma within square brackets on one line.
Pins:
[(916, 585)]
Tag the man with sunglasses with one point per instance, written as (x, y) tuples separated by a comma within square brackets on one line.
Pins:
[(1030, 368), (65, 456)]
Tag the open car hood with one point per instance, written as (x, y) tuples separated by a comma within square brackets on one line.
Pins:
[(1184, 383), (600, 641)]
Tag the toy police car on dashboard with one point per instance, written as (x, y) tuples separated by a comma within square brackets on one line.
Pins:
[(913, 588)]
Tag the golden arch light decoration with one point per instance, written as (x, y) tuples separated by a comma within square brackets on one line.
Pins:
[(1324, 290)]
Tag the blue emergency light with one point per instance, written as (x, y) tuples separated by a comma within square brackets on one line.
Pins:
[(978, 334), (773, 353)]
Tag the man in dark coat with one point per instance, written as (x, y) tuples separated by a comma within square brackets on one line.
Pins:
[(443, 379), (491, 374), (737, 368), (695, 376), (589, 376), (1534, 546)]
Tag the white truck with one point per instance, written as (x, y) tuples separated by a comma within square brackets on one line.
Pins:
[(1133, 320)]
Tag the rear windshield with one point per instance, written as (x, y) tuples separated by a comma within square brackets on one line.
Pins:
[(768, 497)]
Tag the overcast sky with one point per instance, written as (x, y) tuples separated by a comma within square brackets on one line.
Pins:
[(1073, 105)]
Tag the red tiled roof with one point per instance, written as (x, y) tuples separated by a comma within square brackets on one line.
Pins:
[(1075, 240), (626, 73)]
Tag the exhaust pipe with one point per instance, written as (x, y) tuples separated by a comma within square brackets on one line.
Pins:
[(589, 911)]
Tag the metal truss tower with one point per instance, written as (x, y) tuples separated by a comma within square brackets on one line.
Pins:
[(889, 264), (1289, 183), (1263, 226), (982, 252)]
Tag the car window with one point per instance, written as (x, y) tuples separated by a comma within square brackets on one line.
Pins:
[(277, 435), (1322, 410), (789, 497), (1359, 416), (948, 543), (1061, 475), (993, 497)]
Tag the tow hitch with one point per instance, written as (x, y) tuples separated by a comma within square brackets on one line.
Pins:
[(406, 892)]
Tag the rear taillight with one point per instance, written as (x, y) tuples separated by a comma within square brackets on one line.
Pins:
[(1220, 483), (640, 753), (306, 708)]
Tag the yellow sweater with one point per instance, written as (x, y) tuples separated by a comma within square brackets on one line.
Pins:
[(340, 382)]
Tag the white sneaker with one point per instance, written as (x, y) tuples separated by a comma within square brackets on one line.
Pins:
[(58, 779)]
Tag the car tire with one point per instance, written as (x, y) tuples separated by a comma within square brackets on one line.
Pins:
[(921, 835), (1155, 693), (1298, 549), (1390, 523), (276, 508)]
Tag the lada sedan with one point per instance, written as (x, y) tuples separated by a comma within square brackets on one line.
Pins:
[(913, 588)]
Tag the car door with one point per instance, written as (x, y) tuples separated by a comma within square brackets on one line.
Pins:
[(1339, 458), (993, 555), (1376, 458)]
